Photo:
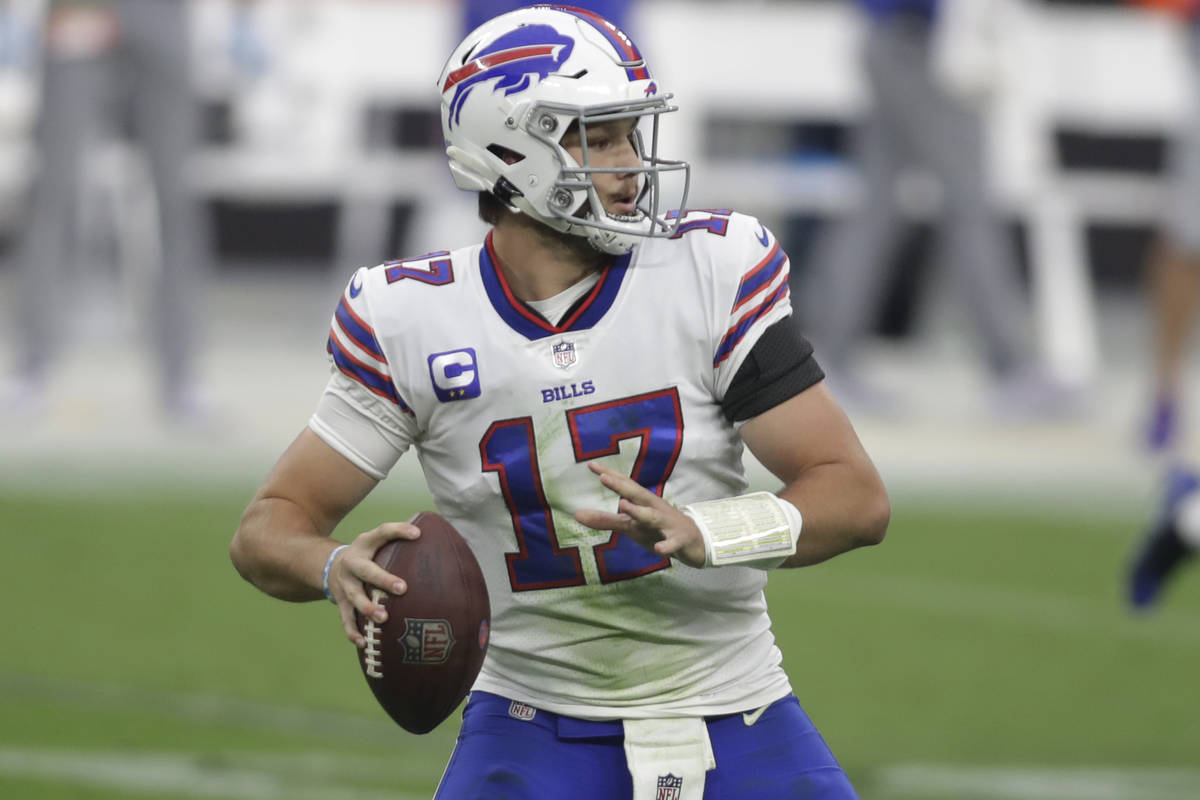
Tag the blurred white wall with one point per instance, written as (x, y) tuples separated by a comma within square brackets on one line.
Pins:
[(1110, 68), (299, 121), (301, 126), (304, 99)]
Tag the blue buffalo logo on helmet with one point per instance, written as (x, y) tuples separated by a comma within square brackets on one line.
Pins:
[(517, 58)]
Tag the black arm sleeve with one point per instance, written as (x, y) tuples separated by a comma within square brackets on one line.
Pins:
[(779, 366)]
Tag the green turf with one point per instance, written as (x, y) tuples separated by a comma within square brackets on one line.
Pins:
[(138, 664)]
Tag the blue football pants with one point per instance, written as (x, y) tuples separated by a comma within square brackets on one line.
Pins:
[(510, 756)]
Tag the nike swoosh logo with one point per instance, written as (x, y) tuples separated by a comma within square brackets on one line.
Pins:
[(751, 717), (355, 287), (762, 237)]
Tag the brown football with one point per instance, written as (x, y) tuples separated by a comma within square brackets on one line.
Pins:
[(421, 663)]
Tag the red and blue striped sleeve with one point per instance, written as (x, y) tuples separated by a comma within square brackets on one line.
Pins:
[(354, 347), (761, 298)]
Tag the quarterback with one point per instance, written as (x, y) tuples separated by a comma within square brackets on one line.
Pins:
[(579, 389)]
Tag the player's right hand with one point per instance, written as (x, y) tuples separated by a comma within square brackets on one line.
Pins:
[(354, 569), (645, 518)]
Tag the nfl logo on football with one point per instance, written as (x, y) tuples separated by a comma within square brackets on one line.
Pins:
[(426, 641), (669, 787), (564, 353)]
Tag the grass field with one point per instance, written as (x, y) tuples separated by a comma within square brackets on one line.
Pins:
[(976, 654)]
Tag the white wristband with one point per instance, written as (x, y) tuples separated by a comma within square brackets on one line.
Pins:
[(752, 530), (329, 566)]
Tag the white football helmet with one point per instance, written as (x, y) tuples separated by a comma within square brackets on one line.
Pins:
[(515, 85)]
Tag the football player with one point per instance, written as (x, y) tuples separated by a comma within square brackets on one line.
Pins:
[(1173, 537), (1174, 265), (579, 389), (102, 61), (1171, 540)]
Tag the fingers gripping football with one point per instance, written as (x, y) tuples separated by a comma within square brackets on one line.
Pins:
[(646, 518), (354, 574)]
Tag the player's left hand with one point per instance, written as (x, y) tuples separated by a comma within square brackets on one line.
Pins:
[(646, 518)]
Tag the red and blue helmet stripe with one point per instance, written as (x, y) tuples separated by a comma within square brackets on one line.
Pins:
[(626, 49)]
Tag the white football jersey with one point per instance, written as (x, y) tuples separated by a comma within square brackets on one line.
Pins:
[(505, 410)]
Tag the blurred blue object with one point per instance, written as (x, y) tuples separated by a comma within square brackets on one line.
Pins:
[(881, 9), (1162, 550), (247, 50), (18, 32), (477, 12), (1163, 427)]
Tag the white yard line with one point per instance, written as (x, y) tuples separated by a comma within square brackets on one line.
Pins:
[(201, 707), (319, 777), (237, 776), (295, 778), (933, 782)]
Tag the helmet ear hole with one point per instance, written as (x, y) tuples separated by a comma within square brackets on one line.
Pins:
[(505, 154)]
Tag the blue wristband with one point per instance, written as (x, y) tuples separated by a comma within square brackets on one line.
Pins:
[(328, 566)]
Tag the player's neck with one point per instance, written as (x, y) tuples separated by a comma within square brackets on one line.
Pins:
[(538, 262)]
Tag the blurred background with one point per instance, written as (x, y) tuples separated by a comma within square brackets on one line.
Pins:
[(162, 326)]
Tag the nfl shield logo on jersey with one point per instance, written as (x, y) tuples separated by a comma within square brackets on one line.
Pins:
[(669, 787), (564, 353)]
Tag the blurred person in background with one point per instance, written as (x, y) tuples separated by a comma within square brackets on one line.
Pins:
[(631, 654), (925, 117), (1174, 270), (1173, 537), (102, 59)]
